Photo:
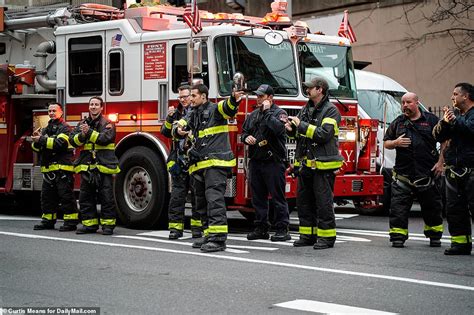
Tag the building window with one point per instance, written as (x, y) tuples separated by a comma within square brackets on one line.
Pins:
[(85, 66), (116, 70)]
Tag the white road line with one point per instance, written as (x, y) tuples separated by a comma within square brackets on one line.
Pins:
[(18, 218), (230, 250), (254, 261), (328, 308), (158, 234), (412, 236)]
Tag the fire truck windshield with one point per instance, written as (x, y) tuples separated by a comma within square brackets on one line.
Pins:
[(334, 63), (258, 61)]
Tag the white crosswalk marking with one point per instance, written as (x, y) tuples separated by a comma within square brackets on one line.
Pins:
[(328, 308)]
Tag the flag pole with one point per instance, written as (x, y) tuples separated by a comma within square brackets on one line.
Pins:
[(192, 47)]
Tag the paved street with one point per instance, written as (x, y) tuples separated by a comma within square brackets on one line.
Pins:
[(142, 272)]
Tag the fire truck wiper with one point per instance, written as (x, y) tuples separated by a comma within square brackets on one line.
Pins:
[(346, 108)]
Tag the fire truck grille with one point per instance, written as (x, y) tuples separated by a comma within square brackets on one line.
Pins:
[(357, 186)]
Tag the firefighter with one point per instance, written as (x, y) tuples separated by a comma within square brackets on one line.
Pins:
[(264, 132), (178, 169), (211, 160), (316, 129), (417, 164), (458, 129), (52, 144), (96, 164)]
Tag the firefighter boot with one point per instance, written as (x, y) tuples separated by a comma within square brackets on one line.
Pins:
[(281, 235), (435, 242), (67, 227), (44, 225), (398, 243), (107, 230), (86, 230), (175, 234), (210, 247), (459, 249), (259, 233), (305, 241), (199, 242), (323, 243)]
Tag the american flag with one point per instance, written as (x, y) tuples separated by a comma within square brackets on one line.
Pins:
[(116, 40), (191, 17), (345, 29)]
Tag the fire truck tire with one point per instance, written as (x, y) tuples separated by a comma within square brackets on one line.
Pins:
[(141, 189)]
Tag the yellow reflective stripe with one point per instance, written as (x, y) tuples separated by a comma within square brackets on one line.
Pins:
[(83, 168), (34, 147), (57, 167), (77, 141), (323, 165), (182, 122), (170, 164), (94, 136), (90, 146), (333, 122), (307, 230), (213, 130), (206, 232), (210, 163), (176, 226), (168, 125), (297, 163), (229, 103), (49, 143), (310, 131), (49, 216), (437, 228), (196, 223), (71, 216), (107, 221), (91, 222), (461, 239), (220, 108), (399, 231), (214, 229), (326, 233), (106, 170)]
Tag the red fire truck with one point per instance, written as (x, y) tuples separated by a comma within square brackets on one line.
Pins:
[(135, 60)]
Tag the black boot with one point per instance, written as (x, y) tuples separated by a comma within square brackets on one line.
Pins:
[(435, 242), (44, 225), (210, 247), (322, 243), (174, 234), (86, 230), (398, 244), (281, 235), (198, 242), (459, 249), (304, 241), (259, 233), (67, 227), (107, 230)]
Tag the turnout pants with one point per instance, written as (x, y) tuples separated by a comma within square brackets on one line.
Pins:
[(460, 206), (179, 190), (57, 195), (268, 177), (209, 189), (96, 188), (315, 204), (431, 208)]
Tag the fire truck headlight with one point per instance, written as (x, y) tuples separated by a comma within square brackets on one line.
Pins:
[(114, 117), (347, 135)]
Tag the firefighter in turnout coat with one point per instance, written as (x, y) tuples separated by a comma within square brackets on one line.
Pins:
[(52, 145), (96, 164), (211, 160), (316, 129)]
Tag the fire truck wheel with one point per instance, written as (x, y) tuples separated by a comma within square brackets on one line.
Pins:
[(141, 189)]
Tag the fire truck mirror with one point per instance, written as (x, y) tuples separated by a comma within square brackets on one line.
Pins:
[(194, 57)]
